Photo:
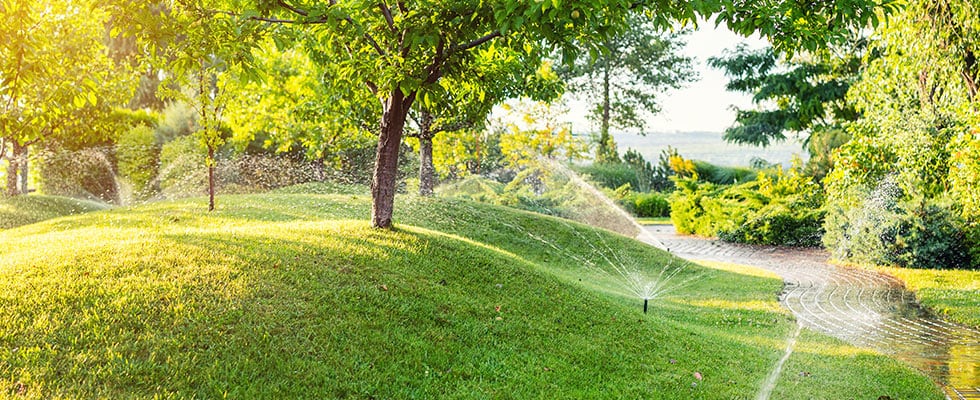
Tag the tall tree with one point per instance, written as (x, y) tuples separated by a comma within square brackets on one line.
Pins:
[(43, 97), (396, 51), (920, 107), (626, 76)]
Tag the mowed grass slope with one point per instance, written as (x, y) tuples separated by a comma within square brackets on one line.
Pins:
[(290, 295), (25, 210)]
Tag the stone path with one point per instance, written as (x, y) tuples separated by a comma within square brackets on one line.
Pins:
[(862, 307)]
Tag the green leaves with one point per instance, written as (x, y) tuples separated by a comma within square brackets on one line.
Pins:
[(58, 79), (796, 95)]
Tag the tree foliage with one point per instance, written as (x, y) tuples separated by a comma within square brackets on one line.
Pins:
[(537, 134), (43, 97), (918, 130), (400, 51), (803, 95), (199, 46), (464, 97), (294, 106)]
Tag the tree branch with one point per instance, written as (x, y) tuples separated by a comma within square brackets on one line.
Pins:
[(458, 124), (435, 68), (387, 14), (322, 20), (466, 46), (294, 9)]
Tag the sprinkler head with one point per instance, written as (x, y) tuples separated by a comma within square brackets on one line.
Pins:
[(645, 301)]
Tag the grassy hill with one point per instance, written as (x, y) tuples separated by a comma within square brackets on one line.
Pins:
[(25, 210), (293, 295)]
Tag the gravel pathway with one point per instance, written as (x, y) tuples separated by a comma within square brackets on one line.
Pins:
[(862, 307)]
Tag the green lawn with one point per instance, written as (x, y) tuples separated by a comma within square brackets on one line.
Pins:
[(24, 210), (293, 295), (954, 294), (654, 221)]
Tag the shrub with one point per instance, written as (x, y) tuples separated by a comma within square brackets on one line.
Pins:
[(778, 224), (610, 175), (85, 174), (973, 244), (260, 172), (723, 175), (650, 205), (883, 226), (931, 236), (138, 155), (775, 209), (686, 210)]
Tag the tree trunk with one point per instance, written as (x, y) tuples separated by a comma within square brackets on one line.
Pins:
[(24, 172), (604, 152), (386, 158), (211, 163), (427, 169), (11, 176), (13, 167)]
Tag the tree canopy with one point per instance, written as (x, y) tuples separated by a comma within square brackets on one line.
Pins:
[(43, 97), (399, 52), (802, 95)]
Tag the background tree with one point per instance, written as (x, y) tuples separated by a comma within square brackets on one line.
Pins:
[(623, 79), (43, 97), (199, 46), (467, 94), (534, 130), (805, 94), (295, 106), (904, 189)]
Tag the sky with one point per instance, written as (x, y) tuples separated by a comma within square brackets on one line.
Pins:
[(704, 105)]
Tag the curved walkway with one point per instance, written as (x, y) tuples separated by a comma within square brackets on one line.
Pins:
[(862, 307)]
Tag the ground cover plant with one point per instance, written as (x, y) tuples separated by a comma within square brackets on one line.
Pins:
[(294, 295)]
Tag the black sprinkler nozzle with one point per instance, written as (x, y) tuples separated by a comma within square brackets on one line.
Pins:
[(645, 301)]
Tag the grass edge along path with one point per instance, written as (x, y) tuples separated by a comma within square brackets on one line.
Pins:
[(294, 295), (951, 293)]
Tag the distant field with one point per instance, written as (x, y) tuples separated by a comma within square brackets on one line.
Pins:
[(707, 146)]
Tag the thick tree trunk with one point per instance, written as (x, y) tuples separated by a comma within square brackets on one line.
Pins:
[(427, 169), (211, 163), (386, 159)]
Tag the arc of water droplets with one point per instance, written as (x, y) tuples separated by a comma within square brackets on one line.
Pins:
[(615, 265)]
